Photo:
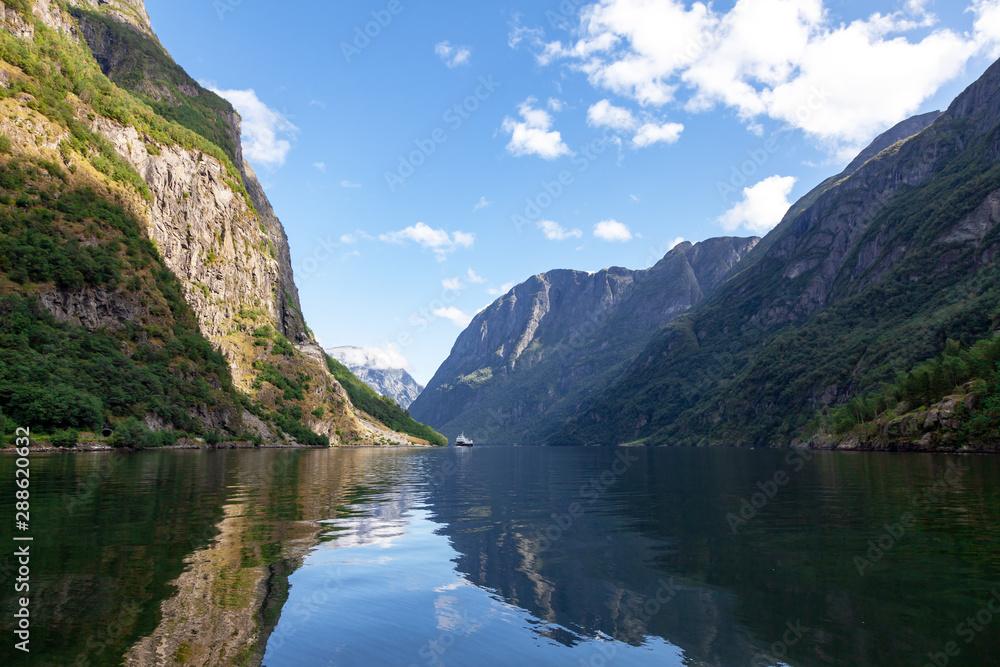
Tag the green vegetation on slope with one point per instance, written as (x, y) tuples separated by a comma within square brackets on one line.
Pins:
[(57, 375), (59, 378), (57, 68), (928, 384), (752, 365), (382, 408), (139, 64)]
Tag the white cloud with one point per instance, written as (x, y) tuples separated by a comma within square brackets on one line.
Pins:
[(320, 165), (452, 313), (482, 203), (612, 231), (606, 114), (763, 206), (500, 291), (635, 198), (651, 133), (354, 237), (789, 60), (519, 33), (438, 240), (464, 239), (556, 105), (349, 184), (379, 358), (676, 242), (474, 277), (534, 135), (555, 232), (267, 133), (453, 56), (987, 27), (452, 284)]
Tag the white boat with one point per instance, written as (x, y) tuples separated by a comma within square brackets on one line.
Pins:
[(462, 441)]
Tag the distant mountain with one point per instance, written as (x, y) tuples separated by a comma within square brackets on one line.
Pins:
[(530, 359), (867, 276), (375, 370)]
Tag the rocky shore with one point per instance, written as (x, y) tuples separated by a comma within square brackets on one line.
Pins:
[(938, 428)]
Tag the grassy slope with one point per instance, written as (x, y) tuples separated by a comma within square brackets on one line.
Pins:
[(139, 65), (57, 68), (381, 408)]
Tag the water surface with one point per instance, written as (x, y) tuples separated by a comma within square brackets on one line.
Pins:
[(584, 556)]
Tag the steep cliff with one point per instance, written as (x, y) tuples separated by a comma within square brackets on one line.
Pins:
[(528, 360), (866, 276), (90, 91)]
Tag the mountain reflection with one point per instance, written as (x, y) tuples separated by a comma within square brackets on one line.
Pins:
[(280, 506), (653, 555), (510, 557), (597, 579)]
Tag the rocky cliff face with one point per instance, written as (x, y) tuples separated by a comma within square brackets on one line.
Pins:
[(377, 373), (207, 235), (132, 12), (205, 210), (527, 360), (867, 275), (166, 83)]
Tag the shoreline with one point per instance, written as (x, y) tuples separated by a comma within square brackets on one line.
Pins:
[(816, 444), (99, 448)]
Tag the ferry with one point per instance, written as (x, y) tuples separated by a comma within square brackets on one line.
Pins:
[(462, 441)]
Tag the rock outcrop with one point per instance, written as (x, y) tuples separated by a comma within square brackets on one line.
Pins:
[(932, 429), (131, 12), (92, 308), (207, 235)]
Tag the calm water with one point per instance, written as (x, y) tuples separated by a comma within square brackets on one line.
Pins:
[(509, 557)]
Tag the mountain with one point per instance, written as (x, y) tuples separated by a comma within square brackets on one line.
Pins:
[(528, 360), (866, 276), (377, 372), (145, 280)]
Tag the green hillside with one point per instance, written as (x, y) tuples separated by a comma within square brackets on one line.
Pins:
[(861, 281), (962, 384), (56, 375), (139, 65), (384, 409)]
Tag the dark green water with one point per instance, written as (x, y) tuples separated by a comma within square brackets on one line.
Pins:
[(508, 557)]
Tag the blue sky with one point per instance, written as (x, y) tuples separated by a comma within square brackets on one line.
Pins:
[(459, 148)]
